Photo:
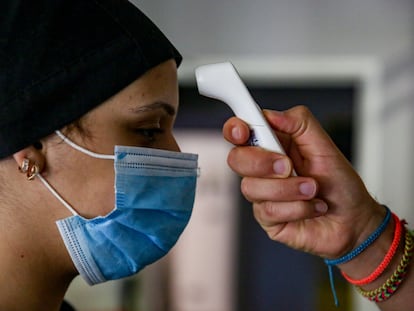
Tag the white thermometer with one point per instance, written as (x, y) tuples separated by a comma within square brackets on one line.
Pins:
[(221, 81)]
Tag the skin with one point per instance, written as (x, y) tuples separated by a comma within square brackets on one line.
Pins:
[(326, 211), (36, 268)]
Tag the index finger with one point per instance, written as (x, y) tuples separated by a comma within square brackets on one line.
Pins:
[(236, 131), (258, 162)]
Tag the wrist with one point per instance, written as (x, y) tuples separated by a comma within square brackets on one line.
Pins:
[(367, 242), (367, 261), (369, 221), (390, 275), (360, 249), (394, 281)]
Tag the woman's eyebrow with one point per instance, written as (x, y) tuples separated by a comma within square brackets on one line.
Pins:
[(154, 106)]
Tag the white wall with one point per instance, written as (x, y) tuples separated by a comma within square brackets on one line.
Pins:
[(398, 121), (285, 27)]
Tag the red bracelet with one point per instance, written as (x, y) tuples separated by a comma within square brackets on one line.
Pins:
[(386, 261)]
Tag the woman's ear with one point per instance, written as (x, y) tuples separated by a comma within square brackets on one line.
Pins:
[(30, 160)]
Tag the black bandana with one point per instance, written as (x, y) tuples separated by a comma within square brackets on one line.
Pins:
[(61, 58)]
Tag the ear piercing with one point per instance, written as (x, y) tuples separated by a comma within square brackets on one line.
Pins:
[(29, 168)]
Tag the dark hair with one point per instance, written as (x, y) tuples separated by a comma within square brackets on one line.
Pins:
[(77, 126)]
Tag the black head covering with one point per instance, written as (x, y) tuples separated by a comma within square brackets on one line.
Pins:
[(61, 58)]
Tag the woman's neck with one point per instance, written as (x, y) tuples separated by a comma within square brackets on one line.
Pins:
[(35, 267), (29, 280)]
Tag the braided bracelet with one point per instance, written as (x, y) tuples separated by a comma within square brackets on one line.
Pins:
[(364, 245), (393, 283), (386, 261), (371, 239)]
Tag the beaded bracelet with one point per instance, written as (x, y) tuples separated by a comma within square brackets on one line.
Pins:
[(393, 283), (363, 246), (386, 261)]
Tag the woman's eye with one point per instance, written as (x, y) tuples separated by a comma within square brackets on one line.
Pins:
[(149, 133)]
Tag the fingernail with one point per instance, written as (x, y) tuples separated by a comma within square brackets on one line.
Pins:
[(321, 207), (280, 167), (236, 133), (307, 189)]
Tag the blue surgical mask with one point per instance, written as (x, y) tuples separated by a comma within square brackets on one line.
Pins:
[(154, 196)]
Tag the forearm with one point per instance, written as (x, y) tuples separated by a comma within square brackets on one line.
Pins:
[(290, 216)]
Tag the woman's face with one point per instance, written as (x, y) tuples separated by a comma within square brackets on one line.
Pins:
[(142, 114)]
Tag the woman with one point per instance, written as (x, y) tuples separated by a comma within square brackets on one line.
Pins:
[(326, 211), (84, 83)]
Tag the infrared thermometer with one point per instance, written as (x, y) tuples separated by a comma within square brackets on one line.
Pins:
[(221, 81)]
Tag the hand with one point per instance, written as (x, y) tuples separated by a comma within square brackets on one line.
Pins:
[(326, 210)]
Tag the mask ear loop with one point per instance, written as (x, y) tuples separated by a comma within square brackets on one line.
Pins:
[(32, 171), (81, 149), (84, 150), (56, 195)]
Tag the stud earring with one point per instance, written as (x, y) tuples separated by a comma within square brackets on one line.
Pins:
[(24, 167), (29, 168)]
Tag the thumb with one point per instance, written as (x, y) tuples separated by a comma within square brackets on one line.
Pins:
[(304, 130), (311, 149)]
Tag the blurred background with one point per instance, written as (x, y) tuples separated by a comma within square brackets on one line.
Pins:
[(352, 63)]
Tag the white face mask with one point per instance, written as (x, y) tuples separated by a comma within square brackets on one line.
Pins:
[(154, 196)]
